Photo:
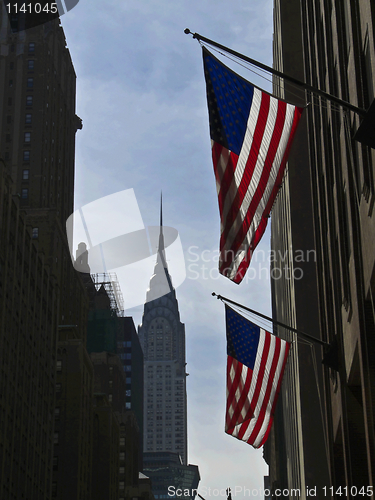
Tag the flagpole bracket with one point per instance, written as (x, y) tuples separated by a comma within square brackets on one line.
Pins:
[(331, 357)]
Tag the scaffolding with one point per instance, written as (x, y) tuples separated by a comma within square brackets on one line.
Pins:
[(112, 287)]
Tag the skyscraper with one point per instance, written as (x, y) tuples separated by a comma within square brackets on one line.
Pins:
[(28, 338), (37, 143), (38, 122), (38, 125), (162, 337)]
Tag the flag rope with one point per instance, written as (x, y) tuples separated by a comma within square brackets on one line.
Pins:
[(359, 111)]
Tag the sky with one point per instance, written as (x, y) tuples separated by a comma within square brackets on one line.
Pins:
[(141, 96)]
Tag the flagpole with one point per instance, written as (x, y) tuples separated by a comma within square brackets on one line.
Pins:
[(298, 332), (306, 86)]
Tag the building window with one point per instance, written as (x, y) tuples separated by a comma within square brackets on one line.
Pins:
[(10, 83), (128, 406), (30, 64), (24, 194), (28, 119), (110, 398), (26, 156), (122, 485), (55, 463), (30, 83), (31, 47), (29, 100), (57, 413), (58, 387), (122, 470), (35, 234), (56, 438), (58, 365), (27, 137), (122, 455), (122, 441)]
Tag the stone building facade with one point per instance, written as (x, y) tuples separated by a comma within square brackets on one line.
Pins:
[(326, 206)]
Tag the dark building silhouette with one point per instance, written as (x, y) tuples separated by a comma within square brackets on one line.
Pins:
[(130, 353), (28, 337), (106, 450), (102, 323), (111, 332), (117, 358), (42, 290), (73, 433), (38, 123), (37, 143), (324, 427), (109, 378)]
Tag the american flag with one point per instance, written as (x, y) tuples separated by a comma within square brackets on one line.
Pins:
[(251, 134), (255, 367)]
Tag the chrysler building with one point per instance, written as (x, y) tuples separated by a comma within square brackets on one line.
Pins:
[(162, 336)]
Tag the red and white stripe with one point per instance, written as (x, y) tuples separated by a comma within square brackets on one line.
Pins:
[(252, 394), (247, 184)]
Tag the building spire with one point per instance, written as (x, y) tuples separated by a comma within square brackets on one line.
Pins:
[(161, 250), (161, 209), (160, 283)]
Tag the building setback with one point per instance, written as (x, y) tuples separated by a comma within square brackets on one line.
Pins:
[(326, 207)]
